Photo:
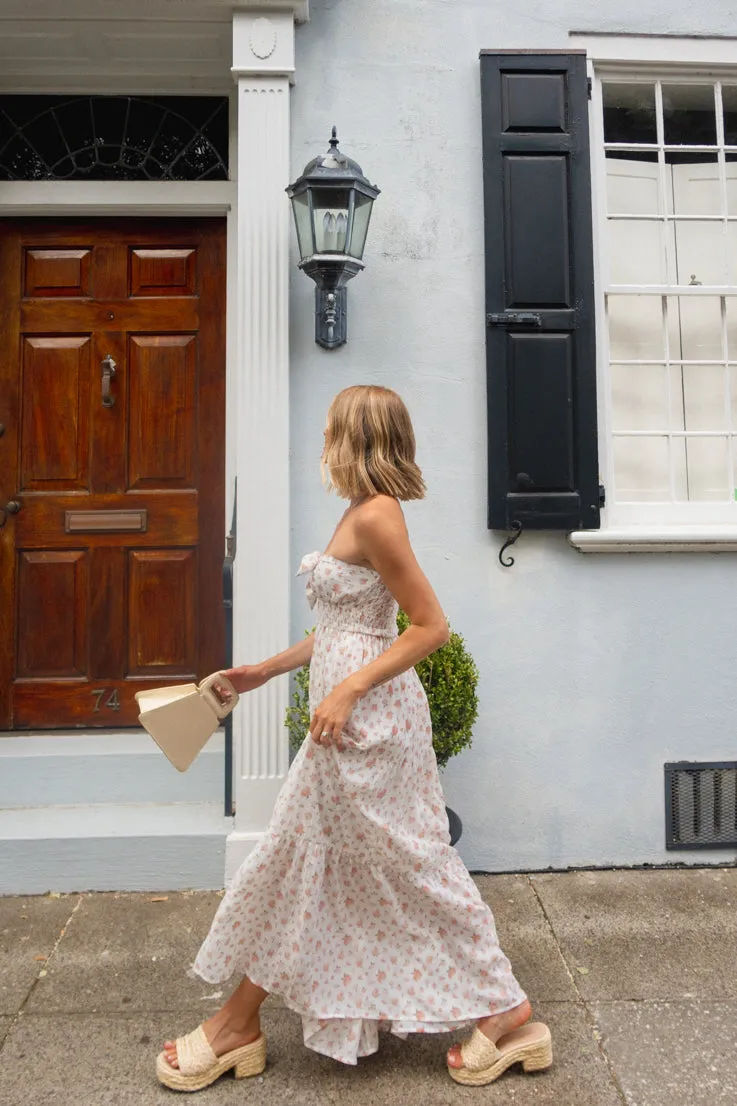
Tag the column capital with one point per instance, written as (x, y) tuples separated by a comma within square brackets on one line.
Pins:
[(263, 43)]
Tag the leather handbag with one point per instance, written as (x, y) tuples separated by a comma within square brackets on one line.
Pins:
[(181, 719)]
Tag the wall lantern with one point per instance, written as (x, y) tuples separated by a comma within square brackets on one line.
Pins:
[(332, 203)]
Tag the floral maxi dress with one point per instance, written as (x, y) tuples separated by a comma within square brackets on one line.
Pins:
[(354, 907)]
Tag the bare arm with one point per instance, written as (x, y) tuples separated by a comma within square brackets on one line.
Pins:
[(250, 676), (381, 533)]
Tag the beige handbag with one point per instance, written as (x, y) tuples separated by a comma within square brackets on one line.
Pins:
[(182, 719)]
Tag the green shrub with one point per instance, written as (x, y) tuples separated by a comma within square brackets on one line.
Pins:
[(449, 677)]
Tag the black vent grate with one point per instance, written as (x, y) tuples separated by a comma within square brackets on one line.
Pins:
[(701, 805)]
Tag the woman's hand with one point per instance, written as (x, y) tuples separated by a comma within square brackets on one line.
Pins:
[(330, 718), (246, 678)]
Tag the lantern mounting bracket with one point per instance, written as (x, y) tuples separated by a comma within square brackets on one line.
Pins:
[(331, 318)]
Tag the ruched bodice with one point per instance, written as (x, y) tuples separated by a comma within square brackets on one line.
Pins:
[(349, 597)]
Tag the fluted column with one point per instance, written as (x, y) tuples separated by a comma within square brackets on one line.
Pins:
[(263, 63)]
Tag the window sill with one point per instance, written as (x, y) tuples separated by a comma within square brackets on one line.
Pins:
[(657, 539)]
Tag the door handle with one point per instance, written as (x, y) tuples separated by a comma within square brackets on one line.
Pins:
[(10, 508), (515, 318), (108, 368)]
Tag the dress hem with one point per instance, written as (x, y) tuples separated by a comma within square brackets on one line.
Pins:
[(442, 1024)]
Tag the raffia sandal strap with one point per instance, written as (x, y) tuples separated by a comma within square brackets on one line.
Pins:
[(194, 1053), (478, 1052)]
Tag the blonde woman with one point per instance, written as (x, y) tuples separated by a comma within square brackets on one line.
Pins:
[(354, 908)]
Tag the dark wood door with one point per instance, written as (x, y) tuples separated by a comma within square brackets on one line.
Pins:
[(112, 522)]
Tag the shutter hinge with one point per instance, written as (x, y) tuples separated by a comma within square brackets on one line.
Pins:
[(589, 86), (602, 495)]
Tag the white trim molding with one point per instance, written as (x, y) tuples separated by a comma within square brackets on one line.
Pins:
[(656, 51), (62, 198), (263, 65), (657, 539)]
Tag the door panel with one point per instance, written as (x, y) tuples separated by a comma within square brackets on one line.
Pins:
[(57, 272), (111, 570), (163, 389), (55, 386), (52, 613), (162, 587), (163, 272)]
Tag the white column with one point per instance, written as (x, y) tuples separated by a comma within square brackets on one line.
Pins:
[(263, 64)]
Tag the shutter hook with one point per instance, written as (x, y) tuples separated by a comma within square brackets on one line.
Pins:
[(517, 527)]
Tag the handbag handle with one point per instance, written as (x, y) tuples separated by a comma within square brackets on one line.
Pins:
[(222, 710)]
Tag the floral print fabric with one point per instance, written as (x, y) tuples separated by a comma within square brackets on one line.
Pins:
[(354, 907)]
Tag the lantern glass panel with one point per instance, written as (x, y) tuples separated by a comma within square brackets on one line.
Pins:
[(330, 207), (303, 223), (361, 216)]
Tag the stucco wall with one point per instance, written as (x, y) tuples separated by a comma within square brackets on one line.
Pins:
[(595, 670)]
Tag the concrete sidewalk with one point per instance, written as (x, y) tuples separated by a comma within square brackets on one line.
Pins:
[(635, 972)]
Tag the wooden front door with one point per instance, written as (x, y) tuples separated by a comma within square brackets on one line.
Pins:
[(112, 385)]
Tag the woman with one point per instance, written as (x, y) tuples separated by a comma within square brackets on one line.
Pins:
[(354, 908)]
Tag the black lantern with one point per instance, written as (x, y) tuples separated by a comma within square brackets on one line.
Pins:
[(332, 203)]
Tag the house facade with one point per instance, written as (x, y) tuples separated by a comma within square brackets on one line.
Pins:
[(551, 283)]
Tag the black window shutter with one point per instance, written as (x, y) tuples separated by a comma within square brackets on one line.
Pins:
[(540, 336)]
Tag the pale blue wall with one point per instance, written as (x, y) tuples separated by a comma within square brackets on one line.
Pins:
[(595, 670)]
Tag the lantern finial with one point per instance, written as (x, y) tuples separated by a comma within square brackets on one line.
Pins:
[(334, 138)]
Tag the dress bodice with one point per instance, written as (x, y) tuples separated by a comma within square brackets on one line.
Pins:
[(349, 597)]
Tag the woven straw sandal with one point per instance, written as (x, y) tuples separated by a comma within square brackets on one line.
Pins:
[(483, 1062), (199, 1066)]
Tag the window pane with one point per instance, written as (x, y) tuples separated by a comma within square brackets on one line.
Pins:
[(701, 252), (731, 313), (629, 113), (639, 397), (330, 219), (641, 470), (303, 223), (695, 187), (707, 461), (695, 328), (636, 328), (633, 184), (729, 102), (636, 252), (731, 171), (689, 115), (698, 401), (732, 252), (361, 217), (732, 370)]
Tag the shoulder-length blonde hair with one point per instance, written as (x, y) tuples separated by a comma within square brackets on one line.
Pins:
[(370, 445)]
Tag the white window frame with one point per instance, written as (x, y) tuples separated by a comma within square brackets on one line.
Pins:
[(645, 527)]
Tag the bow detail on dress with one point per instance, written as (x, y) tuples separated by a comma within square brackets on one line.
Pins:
[(307, 566)]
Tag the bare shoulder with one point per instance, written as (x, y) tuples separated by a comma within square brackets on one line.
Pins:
[(381, 529), (380, 514)]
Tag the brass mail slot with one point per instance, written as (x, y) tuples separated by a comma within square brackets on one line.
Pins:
[(91, 522)]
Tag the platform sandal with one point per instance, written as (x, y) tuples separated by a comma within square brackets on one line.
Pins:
[(484, 1061), (199, 1066)]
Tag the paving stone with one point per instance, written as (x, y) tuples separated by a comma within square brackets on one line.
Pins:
[(29, 928), (5, 1024), (526, 938), (646, 934), (126, 952), (672, 1053), (112, 1060)]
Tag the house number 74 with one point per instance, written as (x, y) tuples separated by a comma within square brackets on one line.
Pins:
[(111, 703)]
